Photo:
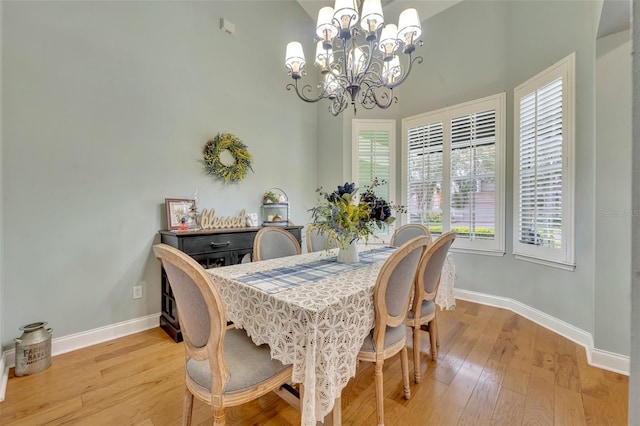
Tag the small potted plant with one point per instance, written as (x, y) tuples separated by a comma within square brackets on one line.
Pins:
[(270, 197)]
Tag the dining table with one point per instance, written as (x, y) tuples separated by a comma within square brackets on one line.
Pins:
[(314, 313)]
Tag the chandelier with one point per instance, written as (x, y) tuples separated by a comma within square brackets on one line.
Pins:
[(357, 64)]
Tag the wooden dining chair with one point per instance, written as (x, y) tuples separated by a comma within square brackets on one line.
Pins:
[(223, 367), (425, 290), (391, 296), (272, 242), (407, 232), (317, 241)]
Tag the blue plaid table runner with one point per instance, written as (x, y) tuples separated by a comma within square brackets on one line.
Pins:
[(278, 279)]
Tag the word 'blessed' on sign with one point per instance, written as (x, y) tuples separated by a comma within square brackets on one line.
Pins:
[(208, 220)]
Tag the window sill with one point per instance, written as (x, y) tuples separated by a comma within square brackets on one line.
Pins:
[(476, 251), (558, 265)]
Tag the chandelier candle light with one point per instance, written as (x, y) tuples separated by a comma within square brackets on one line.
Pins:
[(368, 66)]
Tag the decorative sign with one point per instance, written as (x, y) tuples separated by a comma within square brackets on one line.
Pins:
[(208, 220)]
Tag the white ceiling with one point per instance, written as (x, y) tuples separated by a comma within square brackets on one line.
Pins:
[(391, 8), (615, 17)]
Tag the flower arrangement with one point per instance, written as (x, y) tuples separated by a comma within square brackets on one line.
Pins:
[(347, 218)]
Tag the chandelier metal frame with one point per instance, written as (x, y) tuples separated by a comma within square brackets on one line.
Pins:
[(367, 69)]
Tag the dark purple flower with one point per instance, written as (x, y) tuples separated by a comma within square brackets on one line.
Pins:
[(347, 188)]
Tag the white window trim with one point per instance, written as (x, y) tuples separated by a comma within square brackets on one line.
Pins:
[(564, 258), (358, 124), (497, 102)]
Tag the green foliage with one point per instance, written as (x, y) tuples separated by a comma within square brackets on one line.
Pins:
[(271, 196), (346, 219), (465, 231), (242, 159), (435, 229), (434, 217)]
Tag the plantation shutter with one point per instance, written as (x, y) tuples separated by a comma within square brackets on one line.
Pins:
[(374, 158), (424, 175), (540, 165), (373, 154), (473, 175)]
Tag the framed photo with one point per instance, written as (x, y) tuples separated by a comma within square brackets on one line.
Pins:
[(179, 213)]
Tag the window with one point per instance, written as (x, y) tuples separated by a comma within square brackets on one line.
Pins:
[(374, 157), (425, 171), (454, 173), (544, 170)]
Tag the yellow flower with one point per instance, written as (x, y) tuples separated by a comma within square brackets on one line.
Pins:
[(344, 218)]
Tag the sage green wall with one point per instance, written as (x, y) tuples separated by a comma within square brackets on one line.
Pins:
[(521, 39), (613, 192), (479, 48), (330, 147), (106, 108), (466, 57), (634, 378), (1, 197), (475, 49)]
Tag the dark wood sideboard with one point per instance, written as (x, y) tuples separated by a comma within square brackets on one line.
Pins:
[(212, 249)]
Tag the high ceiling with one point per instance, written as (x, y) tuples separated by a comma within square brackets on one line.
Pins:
[(391, 8), (614, 18)]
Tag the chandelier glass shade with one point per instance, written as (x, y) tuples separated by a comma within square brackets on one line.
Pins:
[(358, 63)]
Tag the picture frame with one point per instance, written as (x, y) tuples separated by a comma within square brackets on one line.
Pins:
[(179, 215)]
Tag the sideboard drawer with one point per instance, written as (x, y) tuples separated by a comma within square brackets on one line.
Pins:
[(217, 242)]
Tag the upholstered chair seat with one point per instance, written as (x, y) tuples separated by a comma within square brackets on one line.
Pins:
[(392, 337), (249, 365), (427, 308)]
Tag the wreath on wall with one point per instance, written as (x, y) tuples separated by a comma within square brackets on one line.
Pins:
[(241, 158)]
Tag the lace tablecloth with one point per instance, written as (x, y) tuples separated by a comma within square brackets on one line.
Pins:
[(445, 297), (317, 327)]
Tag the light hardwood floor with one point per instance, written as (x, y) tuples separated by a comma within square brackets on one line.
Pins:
[(494, 367)]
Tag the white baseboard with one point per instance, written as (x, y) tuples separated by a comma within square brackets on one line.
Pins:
[(596, 357), (609, 361), (81, 340)]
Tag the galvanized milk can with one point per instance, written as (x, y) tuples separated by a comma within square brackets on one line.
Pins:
[(33, 349)]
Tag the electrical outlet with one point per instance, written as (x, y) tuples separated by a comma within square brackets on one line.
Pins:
[(137, 292)]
